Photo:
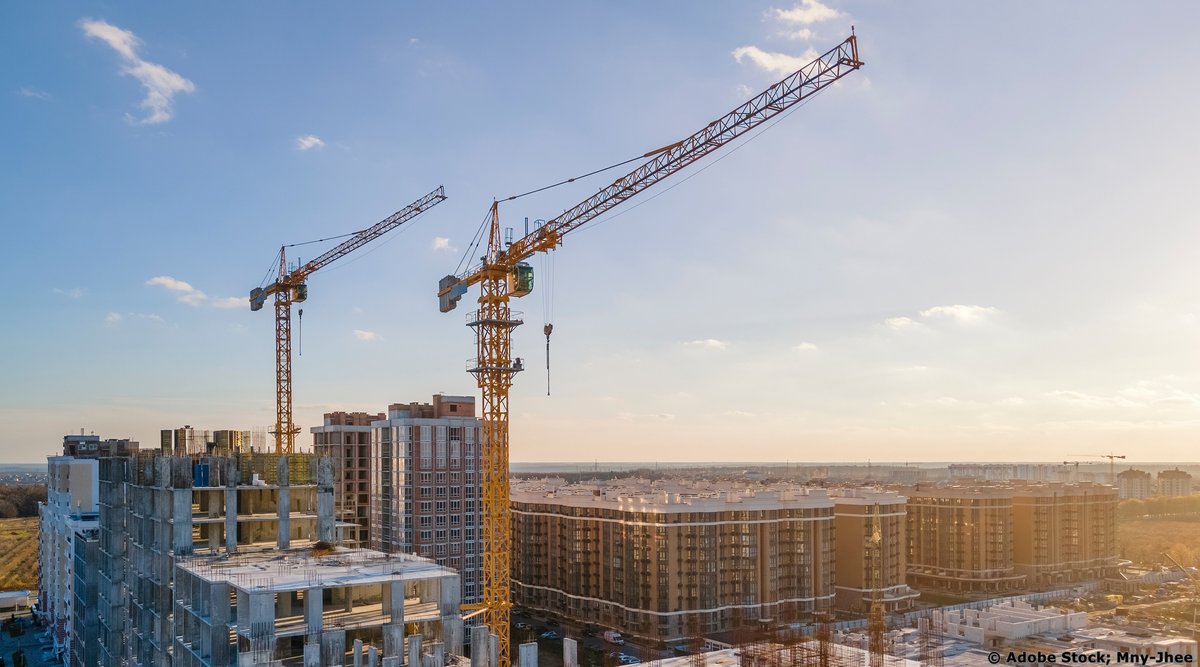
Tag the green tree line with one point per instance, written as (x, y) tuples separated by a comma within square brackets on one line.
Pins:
[(19, 500)]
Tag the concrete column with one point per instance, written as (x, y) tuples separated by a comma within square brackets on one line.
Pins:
[(437, 654), (414, 651), (493, 650), (312, 655), (325, 523), (570, 653), (231, 505), (393, 631), (479, 646), (372, 656), (358, 653), (260, 623), (181, 513), (528, 655), (284, 537), (449, 607), (219, 606), (314, 607), (333, 648)]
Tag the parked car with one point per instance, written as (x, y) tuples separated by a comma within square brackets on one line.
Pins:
[(523, 626), (628, 660), (550, 634)]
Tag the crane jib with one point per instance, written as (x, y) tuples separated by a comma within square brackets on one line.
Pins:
[(792, 89)]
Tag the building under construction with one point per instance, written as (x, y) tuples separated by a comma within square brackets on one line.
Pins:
[(206, 560)]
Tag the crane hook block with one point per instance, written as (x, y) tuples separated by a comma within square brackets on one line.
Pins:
[(520, 281), (450, 290)]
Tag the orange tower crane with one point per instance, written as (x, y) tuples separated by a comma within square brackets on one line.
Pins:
[(503, 274), (876, 624), (291, 287)]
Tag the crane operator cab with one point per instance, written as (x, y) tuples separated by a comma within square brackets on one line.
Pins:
[(520, 281), (299, 292)]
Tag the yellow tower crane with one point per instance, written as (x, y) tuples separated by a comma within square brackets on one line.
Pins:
[(876, 625), (504, 274), (291, 287)]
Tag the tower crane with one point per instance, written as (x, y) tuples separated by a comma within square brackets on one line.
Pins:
[(291, 287), (876, 625), (504, 274), (1112, 464)]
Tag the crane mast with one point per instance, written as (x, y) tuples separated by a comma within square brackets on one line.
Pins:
[(502, 274), (290, 287)]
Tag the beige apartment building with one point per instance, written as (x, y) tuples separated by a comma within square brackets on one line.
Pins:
[(855, 514), (663, 564), (1064, 533), (345, 438), (1134, 484), (960, 538), (1173, 483)]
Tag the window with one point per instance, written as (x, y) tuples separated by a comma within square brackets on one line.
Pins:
[(426, 535), (441, 507), (426, 521), (441, 535)]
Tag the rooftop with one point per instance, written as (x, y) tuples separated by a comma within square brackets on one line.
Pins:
[(299, 569)]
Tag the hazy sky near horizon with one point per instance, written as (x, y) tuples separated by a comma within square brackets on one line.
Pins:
[(980, 246)]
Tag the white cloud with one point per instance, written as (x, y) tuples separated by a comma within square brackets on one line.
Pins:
[(708, 344), (960, 313), (807, 13), (781, 64), (901, 323), (161, 84), (443, 243), (309, 142), (805, 347), (26, 91), (744, 91), (803, 34), (185, 293), (369, 336), (73, 293), (644, 418), (737, 413), (112, 319)]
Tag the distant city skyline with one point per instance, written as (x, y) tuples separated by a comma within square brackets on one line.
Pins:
[(978, 247)]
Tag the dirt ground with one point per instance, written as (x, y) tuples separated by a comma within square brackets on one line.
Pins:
[(18, 554)]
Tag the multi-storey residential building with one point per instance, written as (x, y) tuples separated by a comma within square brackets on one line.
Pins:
[(870, 569), (425, 485), (667, 564), (1064, 532), (1134, 484), (70, 508), (960, 539), (84, 650), (345, 438), (1174, 483)]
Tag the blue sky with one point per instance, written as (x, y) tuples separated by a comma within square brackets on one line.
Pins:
[(981, 246)]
